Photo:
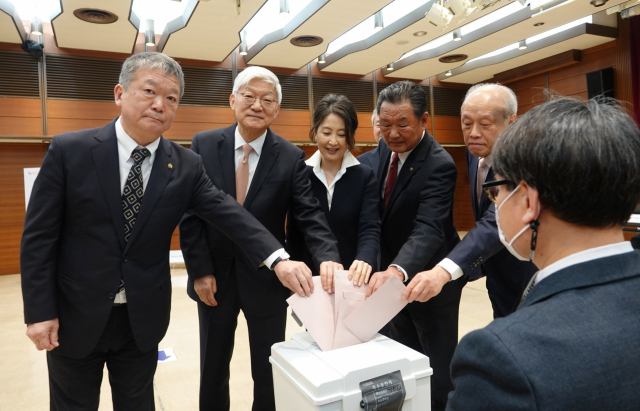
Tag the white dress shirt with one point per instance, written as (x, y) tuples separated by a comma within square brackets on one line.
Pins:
[(126, 145), (451, 267), (348, 160), (254, 158), (402, 157)]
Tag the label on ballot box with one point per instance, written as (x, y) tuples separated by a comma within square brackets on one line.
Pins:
[(383, 393)]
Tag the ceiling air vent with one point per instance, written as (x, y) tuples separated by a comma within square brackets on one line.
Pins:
[(306, 41), (453, 58), (95, 16)]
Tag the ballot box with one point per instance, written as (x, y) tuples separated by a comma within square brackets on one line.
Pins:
[(379, 375)]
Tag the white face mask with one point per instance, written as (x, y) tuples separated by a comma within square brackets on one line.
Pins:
[(509, 244)]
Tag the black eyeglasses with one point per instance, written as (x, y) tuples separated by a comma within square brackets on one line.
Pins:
[(492, 188)]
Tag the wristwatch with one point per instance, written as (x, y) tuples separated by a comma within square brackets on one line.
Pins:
[(276, 261)]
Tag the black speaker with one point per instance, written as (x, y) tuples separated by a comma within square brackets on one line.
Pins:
[(600, 83)]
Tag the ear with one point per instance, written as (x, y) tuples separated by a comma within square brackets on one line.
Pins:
[(512, 119), (424, 119), (118, 91), (232, 101), (531, 203)]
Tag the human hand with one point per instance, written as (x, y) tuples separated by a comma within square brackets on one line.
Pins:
[(206, 287), (426, 285), (327, 270), (360, 271), (381, 277), (296, 276), (44, 334)]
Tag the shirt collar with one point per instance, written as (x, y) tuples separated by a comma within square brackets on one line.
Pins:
[(403, 156), (348, 160), (584, 256), (488, 161), (126, 144), (257, 144)]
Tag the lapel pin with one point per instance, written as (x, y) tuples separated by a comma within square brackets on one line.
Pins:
[(411, 169), (170, 165)]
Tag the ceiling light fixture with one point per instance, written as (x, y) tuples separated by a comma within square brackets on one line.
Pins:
[(378, 22), (522, 45), (538, 24), (149, 34), (243, 43), (438, 16), (598, 3), (36, 26), (457, 36), (420, 33), (448, 73), (284, 7), (390, 67), (323, 58)]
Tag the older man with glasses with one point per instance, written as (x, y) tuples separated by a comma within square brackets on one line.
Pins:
[(567, 179), (267, 175)]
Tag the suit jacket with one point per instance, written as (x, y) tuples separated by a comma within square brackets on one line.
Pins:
[(353, 218), (417, 224), (571, 345), (370, 159), (480, 253), (280, 183), (74, 253)]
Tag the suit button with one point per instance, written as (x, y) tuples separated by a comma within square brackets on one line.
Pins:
[(125, 258), (112, 296)]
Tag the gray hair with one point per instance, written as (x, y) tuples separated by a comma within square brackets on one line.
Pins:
[(150, 60), (256, 72), (373, 117), (510, 101), (584, 160), (402, 91)]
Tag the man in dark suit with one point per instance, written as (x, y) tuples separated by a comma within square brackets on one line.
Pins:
[(372, 158), (487, 110), (95, 247), (572, 344), (417, 179), (222, 279)]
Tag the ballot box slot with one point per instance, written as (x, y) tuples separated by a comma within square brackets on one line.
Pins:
[(383, 393)]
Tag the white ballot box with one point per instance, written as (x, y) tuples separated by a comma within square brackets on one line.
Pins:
[(379, 375)]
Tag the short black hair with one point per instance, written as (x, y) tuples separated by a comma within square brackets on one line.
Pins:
[(402, 91), (341, 106), (582, 157)]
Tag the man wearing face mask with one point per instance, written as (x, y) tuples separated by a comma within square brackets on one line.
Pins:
[(487, 110), (572, 343)]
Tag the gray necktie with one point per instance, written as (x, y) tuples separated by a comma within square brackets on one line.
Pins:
[(483, 170)]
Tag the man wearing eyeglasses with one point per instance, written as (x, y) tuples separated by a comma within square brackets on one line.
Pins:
[(487, 110), (267, 175)]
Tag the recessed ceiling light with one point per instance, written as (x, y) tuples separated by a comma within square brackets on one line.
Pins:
[(598, 3), (457, 36), (448, 73), (95, 16), (420, 33), (390, 67), (538, 24), (306, 41), (522, 45), (323, 58)]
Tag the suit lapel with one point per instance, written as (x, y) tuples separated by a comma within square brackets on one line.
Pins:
[(160, 175), (267, 160), (106, 161), (227, 160), (473, 178)]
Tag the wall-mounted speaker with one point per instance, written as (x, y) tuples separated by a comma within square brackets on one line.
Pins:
[(600, 83)]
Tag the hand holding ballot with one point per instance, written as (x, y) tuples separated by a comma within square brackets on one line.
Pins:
[(344, 318)]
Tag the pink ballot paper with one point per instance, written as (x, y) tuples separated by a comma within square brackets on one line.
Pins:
[(345, 318)]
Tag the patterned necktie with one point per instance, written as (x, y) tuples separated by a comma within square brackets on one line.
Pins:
[(391, 178), (483, 170), (132, 195), (242, 175)]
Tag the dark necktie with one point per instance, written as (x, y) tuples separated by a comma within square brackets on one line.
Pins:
[(391, 178), (132, 195)]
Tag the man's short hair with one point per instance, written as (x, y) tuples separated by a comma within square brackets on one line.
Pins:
[(509, 105), (261, 73), (373, 117), (150, 60), (402, 91), (341, 106), (583, 158)]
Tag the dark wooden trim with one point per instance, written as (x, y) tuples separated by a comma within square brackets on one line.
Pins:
[(623, 87), (541, 66)]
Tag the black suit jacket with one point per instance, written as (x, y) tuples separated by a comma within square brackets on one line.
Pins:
[(417, 224), (73, 248), (353, 218), (370, 159), (280, 183), (571, 345), (480, 253)]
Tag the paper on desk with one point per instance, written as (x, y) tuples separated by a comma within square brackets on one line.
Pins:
[(316, 313), (378, 310), (345, 318)]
